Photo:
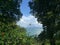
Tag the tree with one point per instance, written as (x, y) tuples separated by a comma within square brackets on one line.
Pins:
[(47, 12), (57, 36), (10, 10), (9, 14), (42, 37), (13, 36)]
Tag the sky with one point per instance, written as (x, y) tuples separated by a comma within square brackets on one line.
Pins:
[(28, 21), (25, 7)]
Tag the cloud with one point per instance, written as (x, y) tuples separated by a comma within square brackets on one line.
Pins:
[(31, 24), (27, 21), (34, 30)]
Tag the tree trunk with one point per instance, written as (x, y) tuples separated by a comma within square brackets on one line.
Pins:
[(43, 43), (52, 41)]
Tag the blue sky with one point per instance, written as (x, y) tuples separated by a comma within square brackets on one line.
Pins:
[(25, 7), (35, 28)]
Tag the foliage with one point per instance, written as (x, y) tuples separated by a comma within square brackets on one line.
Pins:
[(10, 10), (57, 35), (13, 36), (47, 12), (9, 14)]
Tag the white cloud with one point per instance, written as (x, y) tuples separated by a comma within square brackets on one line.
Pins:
[(25, 21), (31, 24)]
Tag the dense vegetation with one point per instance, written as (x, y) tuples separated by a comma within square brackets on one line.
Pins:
[(48, 13), (10, 32)]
